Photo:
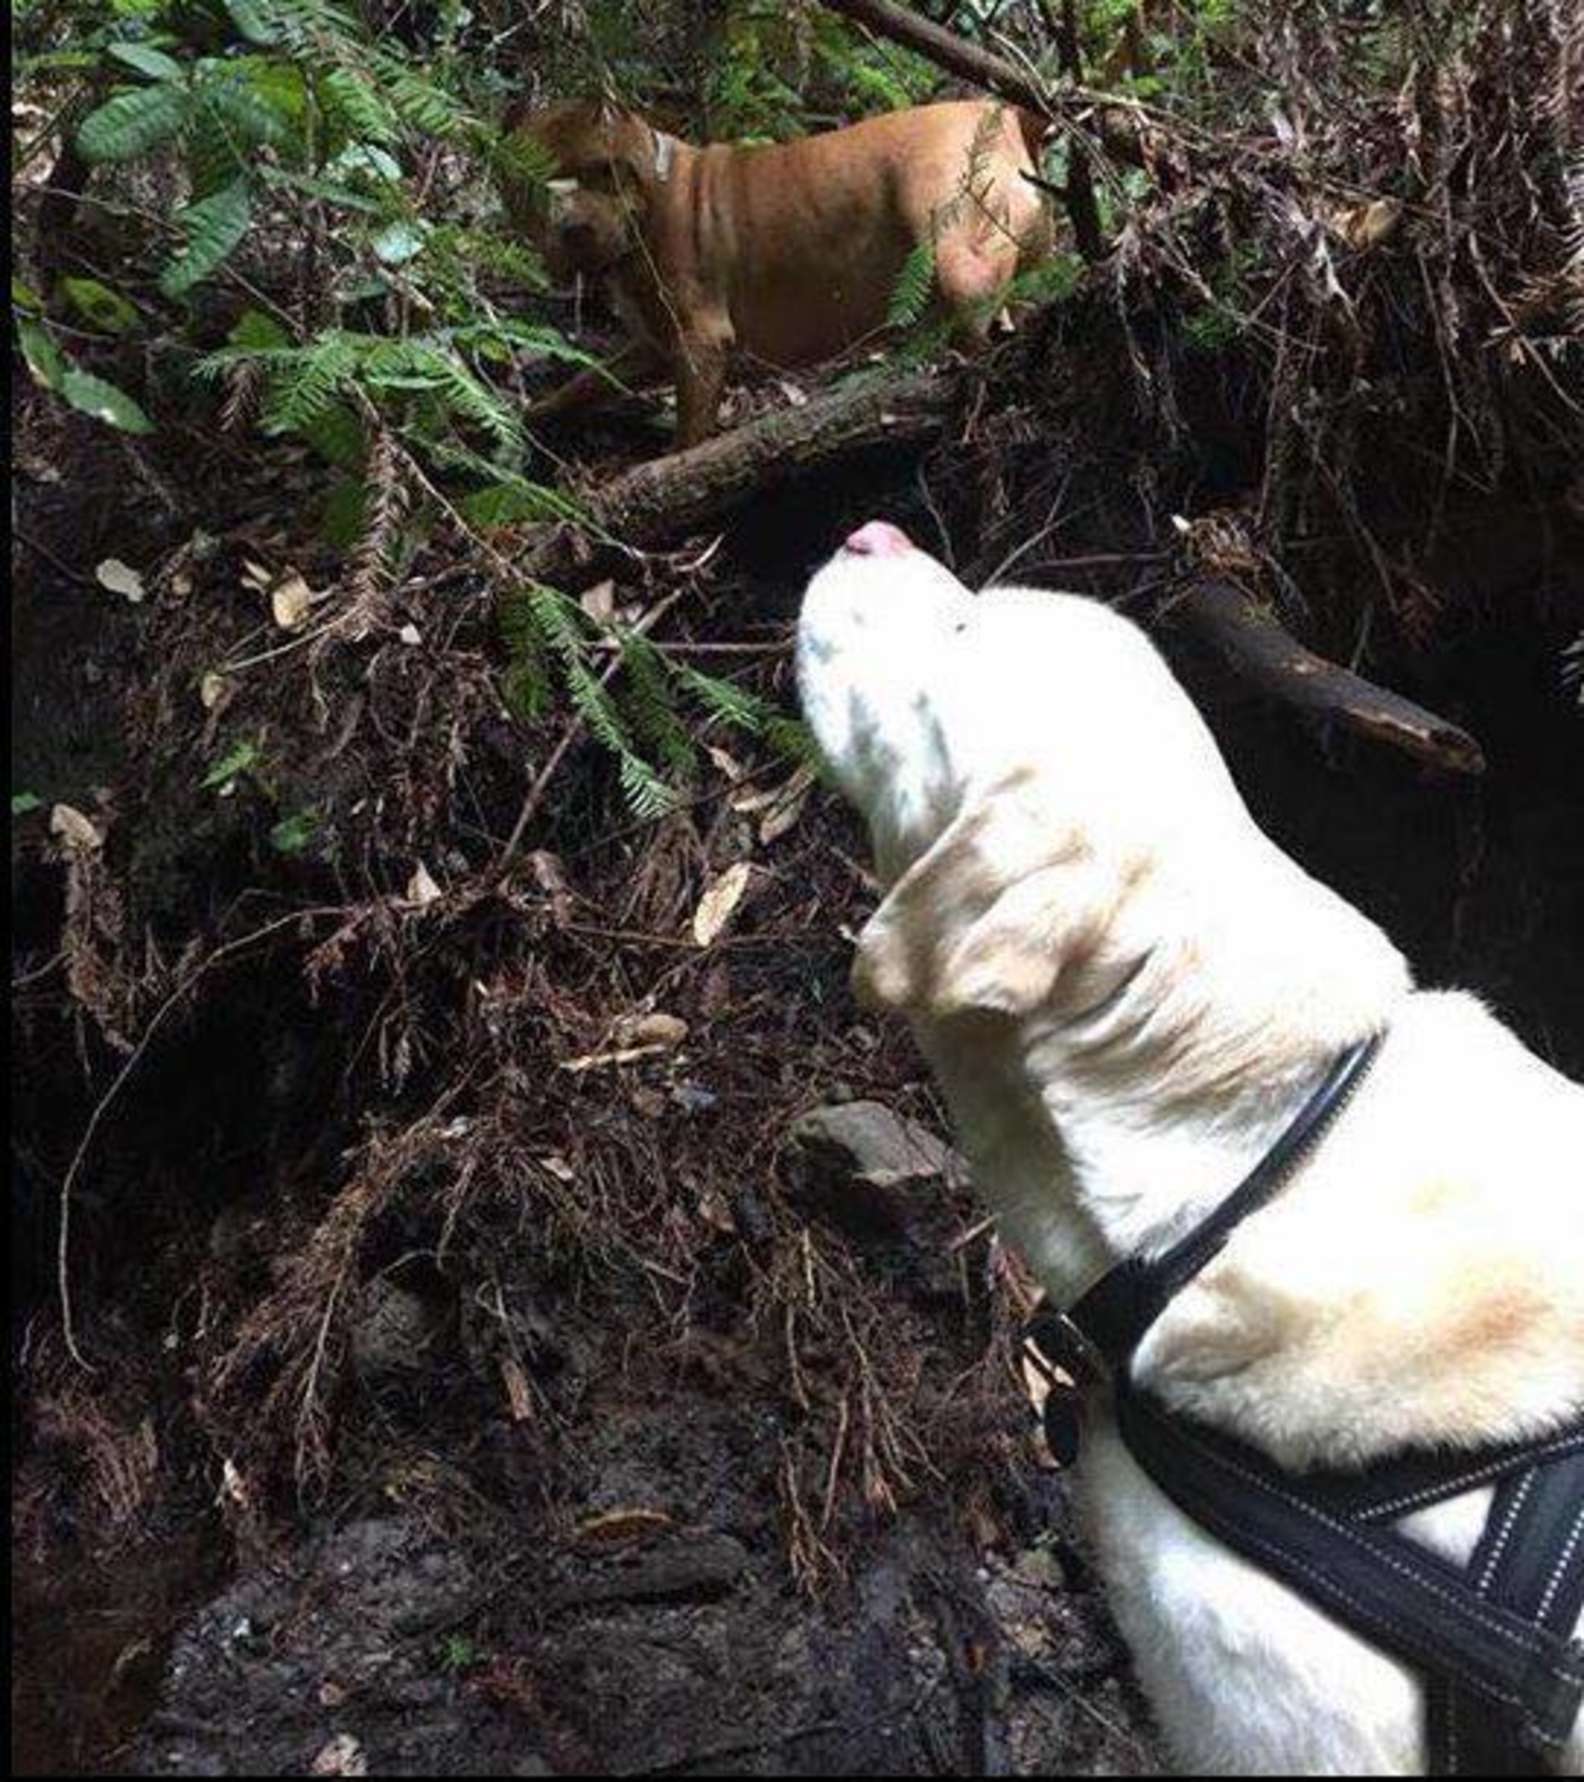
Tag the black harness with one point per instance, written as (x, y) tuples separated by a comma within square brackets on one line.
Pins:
[(1503, 1676)]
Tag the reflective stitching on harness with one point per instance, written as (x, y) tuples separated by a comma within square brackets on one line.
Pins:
[(1554, 1582), (1274, 1552), (1480, 1475), (1504, 1532), (1449, 1716), (1531, 1643)]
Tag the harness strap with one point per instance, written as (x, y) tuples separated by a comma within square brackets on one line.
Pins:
[(1123, 1303), (1498, 1653), (1529, 1559), (1502, 1674)]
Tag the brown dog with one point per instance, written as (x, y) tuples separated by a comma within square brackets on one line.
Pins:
[(790, 252)]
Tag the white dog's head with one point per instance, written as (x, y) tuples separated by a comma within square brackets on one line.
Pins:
[(1049, 812)]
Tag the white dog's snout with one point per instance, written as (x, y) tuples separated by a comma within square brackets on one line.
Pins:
[(878, 538)]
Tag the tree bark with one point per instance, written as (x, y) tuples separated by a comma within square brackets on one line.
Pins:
[(1261, 652)]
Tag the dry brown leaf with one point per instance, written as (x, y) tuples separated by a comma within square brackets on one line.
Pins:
[(255, 575), (421, 888), (518, 1395), (725, 761), (74, 831), (790, 800), (599, 602), (1366, 225), (120, 578), (290, 599), (213, 690), (752, 798), (558, 1167), (613, 1526), (713, 1210), (341, 1756), (550, 876), (719, 902), (654, 1029)]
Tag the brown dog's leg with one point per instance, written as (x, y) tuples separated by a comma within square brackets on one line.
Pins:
[(701, 375), (635, 363)]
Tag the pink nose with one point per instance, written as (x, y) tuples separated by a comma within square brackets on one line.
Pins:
[(878, 538)]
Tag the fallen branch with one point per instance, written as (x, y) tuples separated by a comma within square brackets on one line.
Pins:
[(685, 491), (1120, 127), (1261, 652)]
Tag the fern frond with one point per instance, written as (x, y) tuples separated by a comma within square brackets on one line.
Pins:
[(725, 700), (354, 108), (214, 226), (419, 103), (648, 796), (652, 703), (132, 123), (915, 283), (228, 92), (305, 381)]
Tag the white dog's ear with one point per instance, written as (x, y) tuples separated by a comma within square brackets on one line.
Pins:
[(988, 919)]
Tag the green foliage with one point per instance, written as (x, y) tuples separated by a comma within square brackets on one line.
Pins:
[(54, 370), (459, 1653), (769, 59), (45, 361), (98, 305), (104, 401), (643, 715), (914, 286), (293, 833), (230, 767), (130, 124), (213, 226)]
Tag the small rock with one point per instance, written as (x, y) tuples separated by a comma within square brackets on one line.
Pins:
[(876, 1144)]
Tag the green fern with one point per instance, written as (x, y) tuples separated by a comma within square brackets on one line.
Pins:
[(255, 19), (213, 227), (652, 703), (355, 110), (915, 285), (419, 103), (252, 117), (131, 124), (214, 158)]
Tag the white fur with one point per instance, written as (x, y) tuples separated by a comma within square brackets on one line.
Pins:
[(1126, 991)]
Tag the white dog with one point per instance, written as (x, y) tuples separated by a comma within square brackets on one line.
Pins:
[(1127, 991)]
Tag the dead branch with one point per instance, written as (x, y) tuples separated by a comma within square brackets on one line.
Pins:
[(1263, 653), (688, 490), (1119, 127)]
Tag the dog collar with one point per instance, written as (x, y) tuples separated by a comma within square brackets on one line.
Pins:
[(1093, 1341)]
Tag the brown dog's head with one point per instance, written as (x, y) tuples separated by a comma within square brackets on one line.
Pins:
[(607, 161)]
